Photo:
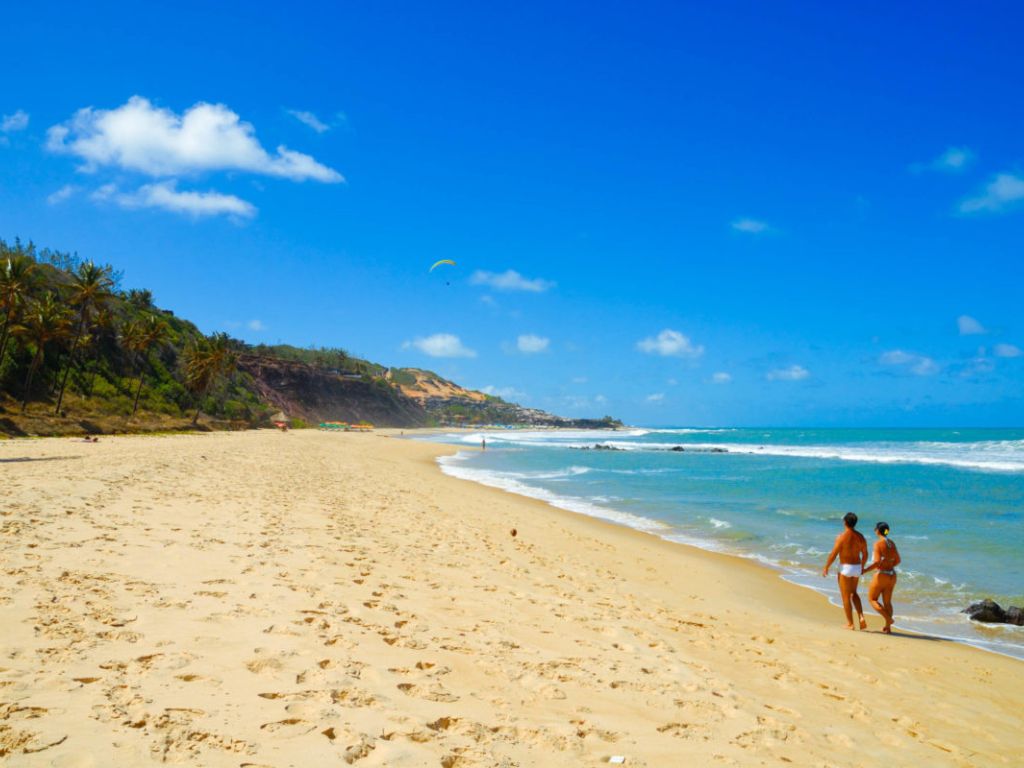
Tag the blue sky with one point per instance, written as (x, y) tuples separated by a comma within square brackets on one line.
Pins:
[(734, 213)]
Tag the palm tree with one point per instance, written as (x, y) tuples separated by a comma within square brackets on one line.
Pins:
[(44, 321), (140, 298), (138, 337), (16, 277), (92, 342), (206, 362), (90, 287)]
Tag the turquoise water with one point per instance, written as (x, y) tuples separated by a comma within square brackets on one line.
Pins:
[(953, 498)]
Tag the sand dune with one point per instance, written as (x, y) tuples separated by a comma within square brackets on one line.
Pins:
[(268, 599)]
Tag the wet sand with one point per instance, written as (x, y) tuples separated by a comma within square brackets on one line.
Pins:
[(268, 599)]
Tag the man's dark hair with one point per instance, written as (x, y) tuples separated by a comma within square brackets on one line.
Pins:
[(850, 519)]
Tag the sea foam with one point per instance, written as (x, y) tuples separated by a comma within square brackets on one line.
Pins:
[(990, 456), (457, 466)]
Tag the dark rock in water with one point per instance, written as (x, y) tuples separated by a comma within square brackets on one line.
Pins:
[(987, 611), (681, 449), (1015, 615), (603, 447)]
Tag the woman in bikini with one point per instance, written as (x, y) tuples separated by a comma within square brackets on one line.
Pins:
[(887, 557)]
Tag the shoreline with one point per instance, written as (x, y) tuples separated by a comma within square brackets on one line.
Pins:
[(652, 527), (343, 598)]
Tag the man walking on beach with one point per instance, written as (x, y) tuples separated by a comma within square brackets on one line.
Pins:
[(852, 551)]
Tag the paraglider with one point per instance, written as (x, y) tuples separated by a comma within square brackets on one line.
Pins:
[(436, 264)]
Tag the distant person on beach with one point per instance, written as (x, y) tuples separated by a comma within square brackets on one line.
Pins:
[(852, 551), (887, 557), (483, 443)]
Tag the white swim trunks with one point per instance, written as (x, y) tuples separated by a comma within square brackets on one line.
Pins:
[(851, 570)]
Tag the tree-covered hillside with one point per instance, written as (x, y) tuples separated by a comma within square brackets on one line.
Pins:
[(73, 341), (78, 352)]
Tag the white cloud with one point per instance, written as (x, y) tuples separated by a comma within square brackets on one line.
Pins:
[(896, 357), (1007, 350), (952, 160), (670, 343), (969, 326), (16, 122), (440, 345), (530, 344), (139, 136), (61, 194), (256, 325), (751, 226), (1003, 191), (309, 119), (979, 365), (505, 393), (510, 280), (165, 195), (657, 397), (919, 365), (104, 193), (721, 377), (792, 373), (579, 380)]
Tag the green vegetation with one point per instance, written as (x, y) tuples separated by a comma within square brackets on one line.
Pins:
[(328, 359), (206, 363), (70, 336), (403, 378), (79, 353)]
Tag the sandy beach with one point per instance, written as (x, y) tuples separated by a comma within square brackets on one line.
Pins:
[(265, 599)]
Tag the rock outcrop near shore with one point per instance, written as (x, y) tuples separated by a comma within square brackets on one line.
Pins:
[(315, 395), (400, 398), (990, 612)]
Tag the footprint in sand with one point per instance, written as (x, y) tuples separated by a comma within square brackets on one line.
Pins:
[(584, 729), (682, 731), (289, 727), (838, 739), (434, 692), (264, 665), (360, 749)]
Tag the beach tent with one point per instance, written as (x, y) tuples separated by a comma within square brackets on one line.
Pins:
[(333, 426)]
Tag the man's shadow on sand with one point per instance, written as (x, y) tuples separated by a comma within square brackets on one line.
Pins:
[(913, 636), (40, 458)]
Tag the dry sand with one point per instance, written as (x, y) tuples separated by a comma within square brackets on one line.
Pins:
[(306, 599)]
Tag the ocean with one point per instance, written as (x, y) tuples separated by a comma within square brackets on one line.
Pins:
[(954, 499)]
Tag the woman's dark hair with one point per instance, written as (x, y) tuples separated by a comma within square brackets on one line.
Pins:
[(882, 528)]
